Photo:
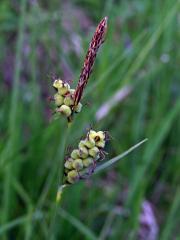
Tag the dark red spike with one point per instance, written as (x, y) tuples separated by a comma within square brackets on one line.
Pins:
[(97, 40)]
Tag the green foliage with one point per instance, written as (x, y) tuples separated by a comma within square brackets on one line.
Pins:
[(140, 52)]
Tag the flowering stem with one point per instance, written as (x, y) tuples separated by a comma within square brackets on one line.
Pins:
[(60, 154)]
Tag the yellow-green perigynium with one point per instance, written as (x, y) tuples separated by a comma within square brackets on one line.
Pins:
[(83, 159), (64, 99)]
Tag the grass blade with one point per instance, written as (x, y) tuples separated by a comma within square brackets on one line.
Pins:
[(19, 221), (76, 223), (14, 122), (116, 159), (171, 221)]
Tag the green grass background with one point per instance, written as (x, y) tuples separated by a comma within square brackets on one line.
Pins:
[(32, 144)]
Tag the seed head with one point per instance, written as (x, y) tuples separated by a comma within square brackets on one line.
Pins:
[(69, 163), (78, 108), (75, 154), (82, 161), (100, 143), (58, 99), (57, 84), (83, 152), (89, 142), (81, 144), (87, 162), (92, 135), (64, 89), (98, 137), (101, 135), (93, 152), (68, 100), (78, 164), (72, 91), (65, 110), (72, 176)]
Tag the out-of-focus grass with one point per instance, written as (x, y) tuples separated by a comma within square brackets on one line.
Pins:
[(141, 50)]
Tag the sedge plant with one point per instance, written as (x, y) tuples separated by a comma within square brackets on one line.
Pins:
[(84, 160)]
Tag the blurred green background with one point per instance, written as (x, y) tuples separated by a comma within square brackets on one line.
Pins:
[(133, 93)]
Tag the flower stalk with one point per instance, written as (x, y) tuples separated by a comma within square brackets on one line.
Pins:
[(67, 100)]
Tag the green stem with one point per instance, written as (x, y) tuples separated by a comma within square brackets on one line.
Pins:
[(60, 186)]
